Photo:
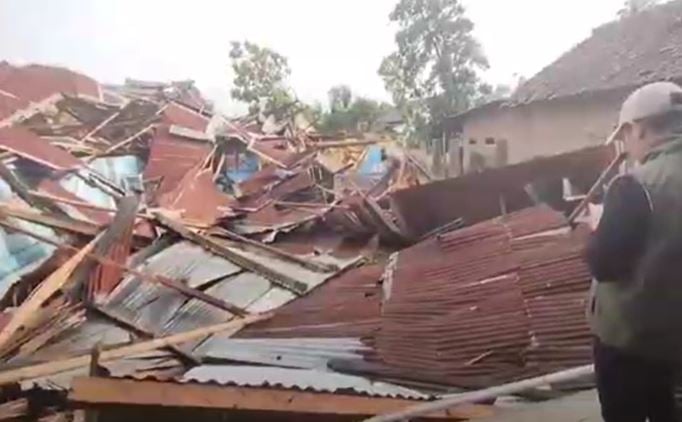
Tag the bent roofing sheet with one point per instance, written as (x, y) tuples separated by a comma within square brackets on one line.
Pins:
[(36, 82), (198, 199), (471, 309), (27, 145), (176, 114), (10, 104), (171, 158), (300, 379), (345, 306), (160, 309), (476, 197), (305, 353)]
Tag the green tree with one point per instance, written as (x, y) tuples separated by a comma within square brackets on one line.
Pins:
[(340, 97), (260, 76), (350, 114), (434, 72)]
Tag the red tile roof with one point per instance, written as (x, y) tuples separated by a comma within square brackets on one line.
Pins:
[(632, 51)]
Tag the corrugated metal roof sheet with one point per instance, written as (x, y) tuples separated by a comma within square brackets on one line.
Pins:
[(162, 310), (29, 146), (171, 158), (300, 379), (477, 307), (176, 114), (345, 306), (10, 104), (198, 199), (476, 197), (37, 82), (304, 353)]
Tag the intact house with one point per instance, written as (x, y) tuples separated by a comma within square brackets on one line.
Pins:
[(572, 103)]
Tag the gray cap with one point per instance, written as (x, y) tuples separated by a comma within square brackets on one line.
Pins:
[(651, 100)]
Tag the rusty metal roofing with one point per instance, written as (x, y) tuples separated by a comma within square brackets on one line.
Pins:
[(171, 158), (198, 199), (345, 306), (485, 305), (272, 190), (37, 82), (10, 104), (476, 197), (29, 146), (176, 114)]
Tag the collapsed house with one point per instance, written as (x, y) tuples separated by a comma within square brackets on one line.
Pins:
[(161, 260)]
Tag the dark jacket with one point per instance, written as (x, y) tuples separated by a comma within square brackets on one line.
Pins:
[(636, 258)]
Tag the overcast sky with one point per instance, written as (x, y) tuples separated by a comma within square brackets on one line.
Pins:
[(327, 41)]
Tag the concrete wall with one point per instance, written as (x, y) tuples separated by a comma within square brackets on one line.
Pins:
[(538, 129)]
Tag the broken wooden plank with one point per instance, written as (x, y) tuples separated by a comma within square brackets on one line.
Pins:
[(55, 367), (295, 286), (115, 245), (121, 144), (307, 263), (51, 221), (101, 125), (182, 288), (43, 292), (346, 144), (14, 409), (130, 325), (82, 204)]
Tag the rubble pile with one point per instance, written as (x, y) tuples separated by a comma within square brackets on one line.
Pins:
[(142, 232)]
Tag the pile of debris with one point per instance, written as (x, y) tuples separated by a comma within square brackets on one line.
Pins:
[(142, 232)]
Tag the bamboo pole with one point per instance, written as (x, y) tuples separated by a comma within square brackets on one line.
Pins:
[(485, 394)]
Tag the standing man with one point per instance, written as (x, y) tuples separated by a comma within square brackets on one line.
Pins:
[(635, 255)]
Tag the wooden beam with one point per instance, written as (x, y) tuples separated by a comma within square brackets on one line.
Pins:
[(51, 221), (55, 367), (44, 291), (12, 410), (81, 204), (306, 263), (280, 279), (182, 288), (101, 125), (132, 326), (121, 144), (108, 391), (346, 144)]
